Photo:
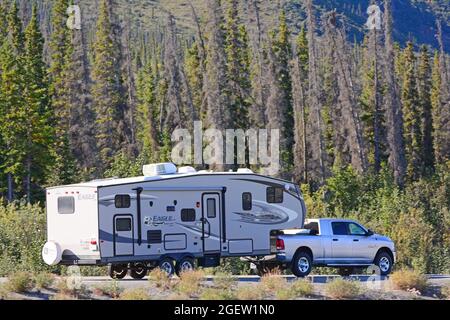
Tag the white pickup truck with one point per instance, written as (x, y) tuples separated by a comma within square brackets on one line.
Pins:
[(344, 244)]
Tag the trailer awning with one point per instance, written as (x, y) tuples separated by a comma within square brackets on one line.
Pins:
[(187, 188)]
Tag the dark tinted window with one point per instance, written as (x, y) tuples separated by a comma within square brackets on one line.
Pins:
[(122, 201), (246, 201), (339, 228), (66, 205), (274, 195), (123, 224), (187, 215), (211, 208), (313, 226)]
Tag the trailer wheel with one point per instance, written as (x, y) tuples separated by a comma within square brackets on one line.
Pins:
[(184, 264), (166, 264), (301, 264), (138, 271), (117, 271)]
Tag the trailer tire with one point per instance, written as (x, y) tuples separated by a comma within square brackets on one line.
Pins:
[(184, 264), (117, 271), (138, 271), (301, 264), (166, 264)]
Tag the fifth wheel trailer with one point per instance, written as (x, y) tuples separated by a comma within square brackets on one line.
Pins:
[(169, 218)]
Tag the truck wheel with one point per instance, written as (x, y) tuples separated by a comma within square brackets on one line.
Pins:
[(138, 271), (184, 264), (384, 261), (117, 271), (166, 264), (301, 264)]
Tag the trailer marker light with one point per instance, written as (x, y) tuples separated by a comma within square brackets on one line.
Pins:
[(280, 244), (197, 204)]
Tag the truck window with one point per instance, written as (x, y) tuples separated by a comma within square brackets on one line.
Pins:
[(274, 195), (356, 230), (122, 201), (246, 201), (187, 215), (66, 205), (211, 208), (313, 227), (339, 228)]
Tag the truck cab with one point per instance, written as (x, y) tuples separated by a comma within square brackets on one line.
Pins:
[(340, 243)]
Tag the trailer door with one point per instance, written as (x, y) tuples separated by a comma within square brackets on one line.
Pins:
[(123, 235), (211, 222)]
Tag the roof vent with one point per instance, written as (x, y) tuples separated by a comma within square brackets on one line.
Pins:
[(244, 170), (186, 169), (157, 169)]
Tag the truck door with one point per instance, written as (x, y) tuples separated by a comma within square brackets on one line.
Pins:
[(363, 249), (123, 235), (211, 222), (341, 242)]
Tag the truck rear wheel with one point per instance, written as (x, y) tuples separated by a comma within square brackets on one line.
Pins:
[(138, 271), (117, 271), (301, 264)]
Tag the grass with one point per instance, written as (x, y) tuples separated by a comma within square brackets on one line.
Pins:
[(112, 289), (408, 279), (224, 281), (217, 294), (273, 282), (296, 289), (159, 278), (135, 294), (4, 291), (340, 289), (70, 291), (19, 282), (190, 282), (43, 280), (445, 292), (250, 293)]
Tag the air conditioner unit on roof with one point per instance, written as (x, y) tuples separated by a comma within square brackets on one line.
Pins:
[(157, 169)]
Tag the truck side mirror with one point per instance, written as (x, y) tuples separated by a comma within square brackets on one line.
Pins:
[(369, 233)]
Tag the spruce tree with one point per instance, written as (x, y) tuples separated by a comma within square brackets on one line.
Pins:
[(411, 114), (107, 90), (39, 132), (424, 85)]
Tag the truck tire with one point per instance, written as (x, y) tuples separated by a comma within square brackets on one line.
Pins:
[(117, 271), (138, 271), (184, 264), (383, 260), (301, 264), (166, 264)]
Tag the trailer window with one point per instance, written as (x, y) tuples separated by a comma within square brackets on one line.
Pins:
[(66, 205), (211, 208), (123, 224), (187, 215), (122, 201), (274, 195), (246, 201)]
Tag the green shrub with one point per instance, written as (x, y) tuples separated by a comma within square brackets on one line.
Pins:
[(272, 282), (135, 294), (4, 291), (445, 292), (43, 280), (19, 282), (224, 281), (342, 289), (68, 290), (407, 279), (112, 289), (302, 288)]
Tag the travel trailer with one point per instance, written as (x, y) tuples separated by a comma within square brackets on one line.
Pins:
[(171, 218)]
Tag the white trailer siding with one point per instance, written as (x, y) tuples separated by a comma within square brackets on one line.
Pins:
[(72, 222)]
